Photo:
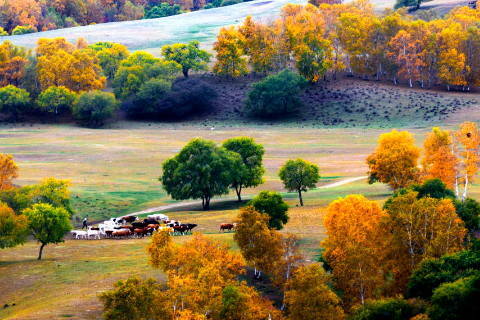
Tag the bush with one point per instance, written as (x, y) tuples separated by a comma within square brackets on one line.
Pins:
[(431, 273), (14, 101), (93, 108), (457, 300), (163, 10), (3, 32), (145, 102), (388, 309), (271, 203), (188, 96), (469, 211), (19, 30), (276, 95), (56, 100)]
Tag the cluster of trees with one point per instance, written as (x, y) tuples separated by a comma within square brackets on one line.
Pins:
[(42, 210), (65, 78), (450, 157), (323, 40), (27, 16), (202, 170)]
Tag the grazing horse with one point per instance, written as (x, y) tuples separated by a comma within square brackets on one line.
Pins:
[(227, 226)]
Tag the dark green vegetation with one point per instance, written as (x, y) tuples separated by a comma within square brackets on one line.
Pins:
[(276, 95), (271, 203), (93, 108)]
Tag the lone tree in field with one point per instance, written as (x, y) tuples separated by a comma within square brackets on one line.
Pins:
[(48, 224), (189, 56), (299, 175), (394, 161), (13, 227), (250, 173), (201, 170), (271, 203)]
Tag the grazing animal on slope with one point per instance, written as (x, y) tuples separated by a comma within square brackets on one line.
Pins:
[(227, 227)]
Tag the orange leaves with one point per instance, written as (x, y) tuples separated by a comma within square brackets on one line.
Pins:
[(8, 171), (439, 160), (356, 246), (62, 64), (395, 160), (230, 54)]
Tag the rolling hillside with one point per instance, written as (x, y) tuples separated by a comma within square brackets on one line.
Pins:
[(147, 35)]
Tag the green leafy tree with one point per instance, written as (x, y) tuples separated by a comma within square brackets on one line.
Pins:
[(134, 299), (47, 224), (408, 3), (145, 103), (163, 10), (299, 175), (137, 69), (271, 203), (14, 101), (434, 188), (56, 100), (189, 56), (201, 170), (93, 108), (469, 211), (275, 95), (13, 227), (250, 174), (457, 300), (431, 273), (110, 55)]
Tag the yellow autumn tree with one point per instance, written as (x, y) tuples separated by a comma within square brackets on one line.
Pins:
[(395, 160), (440, 160), (356, 247), (8, 171), (13, 60), (62, 64), (421, 228), (197, 271), (231, 60), (468, 137), (309, 297), (260, 246)]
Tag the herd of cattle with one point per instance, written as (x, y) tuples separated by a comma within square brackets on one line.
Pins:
[(132, 227)]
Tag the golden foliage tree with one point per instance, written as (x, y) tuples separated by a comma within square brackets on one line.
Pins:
[(260, 246), (8, 171), (230, 55), (308, 296), (468, 137), (13, 60), (395, 160), (421, 228), (356, 246), (440, 160), (62, 64)]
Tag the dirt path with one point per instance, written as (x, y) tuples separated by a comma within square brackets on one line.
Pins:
[(193, 203)]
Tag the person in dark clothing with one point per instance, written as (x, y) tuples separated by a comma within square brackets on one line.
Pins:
[(84, 225)]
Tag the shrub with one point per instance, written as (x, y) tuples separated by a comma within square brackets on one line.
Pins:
[(457, 300), (188, 96), (163, 10), (3, 32), (469, 211), (391, 309), (14, 101), (145, 102), (93, 108), (19, 30), (56, 100), (276, 95)]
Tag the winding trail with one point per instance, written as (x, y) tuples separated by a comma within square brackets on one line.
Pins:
[(193, 203)]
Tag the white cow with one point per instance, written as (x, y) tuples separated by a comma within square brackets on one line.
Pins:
[(158, 217), (93, 233), (79, 234)]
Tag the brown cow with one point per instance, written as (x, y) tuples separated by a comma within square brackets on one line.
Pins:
[(121, 233), (227, 226)]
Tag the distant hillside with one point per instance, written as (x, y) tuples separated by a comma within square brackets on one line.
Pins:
[(150, 34)]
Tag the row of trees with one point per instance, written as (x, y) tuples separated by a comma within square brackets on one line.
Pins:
[(42, 210), (54, 78), (451, 157), (324, 40), (202, 170), (27, 16)]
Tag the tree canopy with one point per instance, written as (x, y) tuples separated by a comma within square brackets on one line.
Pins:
[(300, 176), (271, 203), (189, 56)]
